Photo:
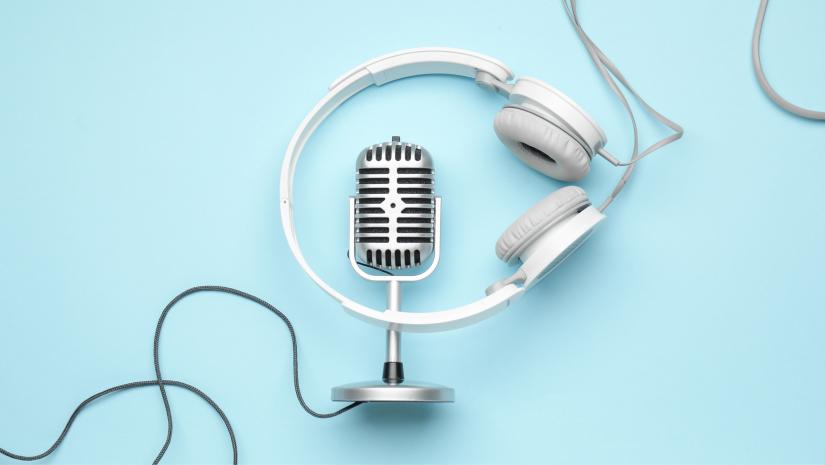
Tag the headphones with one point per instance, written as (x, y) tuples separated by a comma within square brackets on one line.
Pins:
[(543, 127)]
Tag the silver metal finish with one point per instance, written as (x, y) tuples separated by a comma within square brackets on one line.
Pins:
[(394, 223), (393, 336), (394, 205), (405, 391), (398, 277), (378, 391)]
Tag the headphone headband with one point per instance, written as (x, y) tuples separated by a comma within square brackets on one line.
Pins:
[(384, 69), (388, 68), (421, 61)]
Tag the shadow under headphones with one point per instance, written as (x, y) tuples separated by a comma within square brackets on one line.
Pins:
[(543, 127)]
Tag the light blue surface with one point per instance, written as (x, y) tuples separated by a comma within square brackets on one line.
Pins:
[(140, 148)]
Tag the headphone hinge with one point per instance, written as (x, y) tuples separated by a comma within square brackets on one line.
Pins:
[(487, 81)]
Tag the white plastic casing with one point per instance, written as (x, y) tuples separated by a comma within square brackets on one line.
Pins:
[(551, 248), (408, 63), (547, 101)]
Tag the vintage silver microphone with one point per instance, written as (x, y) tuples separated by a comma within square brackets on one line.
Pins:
[(394, 206), (394, 226)]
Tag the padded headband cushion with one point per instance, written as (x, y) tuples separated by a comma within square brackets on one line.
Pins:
[(555, 207), (542, 145)]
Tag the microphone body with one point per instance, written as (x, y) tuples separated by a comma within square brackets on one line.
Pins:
[(394, 205)]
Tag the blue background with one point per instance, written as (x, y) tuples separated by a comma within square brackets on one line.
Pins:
[(140, 150)]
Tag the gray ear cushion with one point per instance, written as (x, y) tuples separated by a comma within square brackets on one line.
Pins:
[(542, 145), (538, 219)]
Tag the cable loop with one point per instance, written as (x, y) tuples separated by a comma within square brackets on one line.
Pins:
[(162, 383)]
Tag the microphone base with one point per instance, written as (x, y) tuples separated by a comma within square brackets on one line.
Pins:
[(406, 391)]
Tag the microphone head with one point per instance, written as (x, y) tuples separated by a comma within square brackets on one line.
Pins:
[(394, 205)]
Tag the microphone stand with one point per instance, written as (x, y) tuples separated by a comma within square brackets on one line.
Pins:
[(393, 368), (393, 386)]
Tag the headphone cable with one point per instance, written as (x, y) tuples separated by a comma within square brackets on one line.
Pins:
[(162, 383), (760, 73), (608, 71)]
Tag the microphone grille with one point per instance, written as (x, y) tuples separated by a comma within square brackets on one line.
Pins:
[(394, 205)]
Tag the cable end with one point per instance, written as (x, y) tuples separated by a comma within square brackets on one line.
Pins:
[(610, 158)]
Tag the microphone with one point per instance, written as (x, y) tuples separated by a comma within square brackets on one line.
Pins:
[(394, 205), (394, 224)]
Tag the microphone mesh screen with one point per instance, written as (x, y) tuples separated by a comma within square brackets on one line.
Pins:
[(394, 205)]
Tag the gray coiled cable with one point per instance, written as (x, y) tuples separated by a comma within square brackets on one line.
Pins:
[(162, 383), (760, 73)]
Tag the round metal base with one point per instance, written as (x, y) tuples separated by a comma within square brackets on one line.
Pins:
[(379, 391)]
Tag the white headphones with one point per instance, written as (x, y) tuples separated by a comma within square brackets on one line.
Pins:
[(542, 126)]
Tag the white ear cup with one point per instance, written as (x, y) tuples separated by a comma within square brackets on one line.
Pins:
[(542, 145), (552, 210)]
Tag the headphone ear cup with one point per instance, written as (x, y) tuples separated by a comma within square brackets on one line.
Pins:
[(542, 145), (541, 217), (546, 235)]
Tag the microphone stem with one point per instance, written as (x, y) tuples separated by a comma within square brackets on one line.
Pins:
[(393, 337)]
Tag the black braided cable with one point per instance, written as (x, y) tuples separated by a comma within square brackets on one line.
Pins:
[(162, 383), (123, 387), (251, 298)]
